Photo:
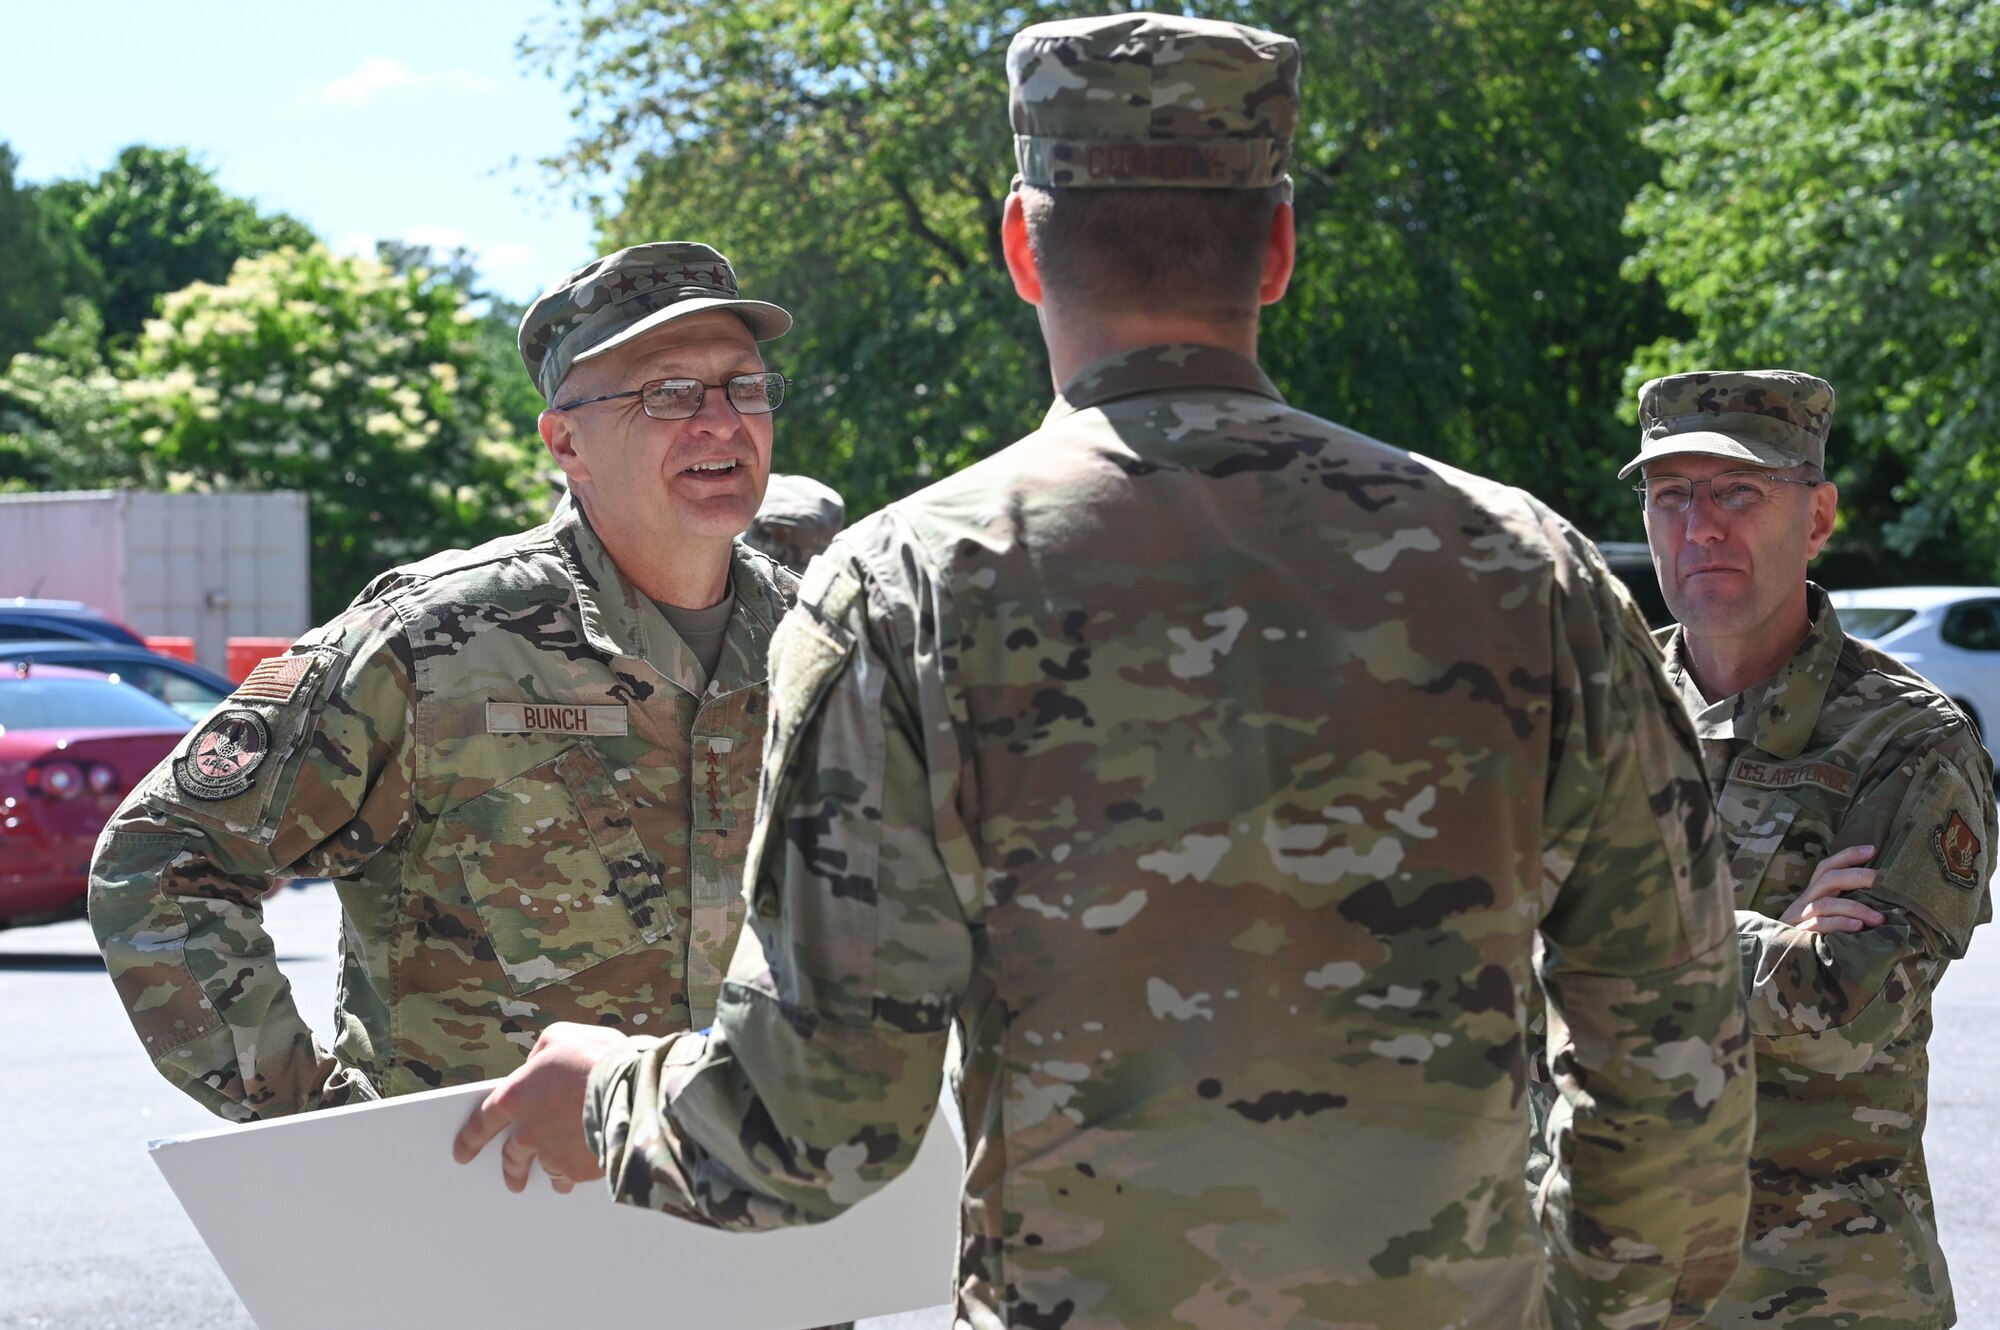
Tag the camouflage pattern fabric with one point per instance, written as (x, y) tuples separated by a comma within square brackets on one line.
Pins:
[(613, 299), (1150, 752), (1844, 746), (798, 519), (1146, 101), (1763, 417), (532, 808)]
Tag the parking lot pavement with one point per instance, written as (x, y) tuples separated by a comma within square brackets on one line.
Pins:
[(93, 1239)]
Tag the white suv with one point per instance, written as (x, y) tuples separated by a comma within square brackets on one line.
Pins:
[(1948, 634)]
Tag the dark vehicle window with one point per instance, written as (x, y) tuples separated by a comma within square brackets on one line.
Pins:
[(1633, 565), (190, 697), (82, 704), (1974, 626), (35, 632), (1873, 621)]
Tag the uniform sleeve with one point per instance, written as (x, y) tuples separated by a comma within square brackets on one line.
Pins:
[(303, 772), (1645, 1191), (1833, 1001), (821, 1074)]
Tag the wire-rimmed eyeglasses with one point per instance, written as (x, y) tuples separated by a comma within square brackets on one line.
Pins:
[(677, 399), (1733, 491)]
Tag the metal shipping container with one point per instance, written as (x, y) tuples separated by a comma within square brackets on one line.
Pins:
[(205, 566)]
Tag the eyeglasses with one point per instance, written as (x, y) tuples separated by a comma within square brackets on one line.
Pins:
[(1733, 491), (677, 399)]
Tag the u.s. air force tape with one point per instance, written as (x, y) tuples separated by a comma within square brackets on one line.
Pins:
[(553, 718)]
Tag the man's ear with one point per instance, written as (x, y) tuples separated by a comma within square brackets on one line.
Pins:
[(1019, 253), (1278, 256), (1825, 503), (559, 437)]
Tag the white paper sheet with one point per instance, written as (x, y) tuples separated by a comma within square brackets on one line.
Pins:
[(357, 1216)]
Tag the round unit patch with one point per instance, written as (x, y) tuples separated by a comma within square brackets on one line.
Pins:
[(225, 754)]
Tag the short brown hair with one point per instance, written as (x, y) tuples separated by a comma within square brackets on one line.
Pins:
[(1182, 251)]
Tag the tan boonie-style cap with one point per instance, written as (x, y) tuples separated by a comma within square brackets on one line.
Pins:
[(1149, 100), (1765, 417), (611, 300)]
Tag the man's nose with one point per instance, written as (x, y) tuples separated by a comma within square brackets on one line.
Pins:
[(718, 415), (1706, 522)]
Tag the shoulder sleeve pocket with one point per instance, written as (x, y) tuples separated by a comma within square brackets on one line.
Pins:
[(1942, 855)]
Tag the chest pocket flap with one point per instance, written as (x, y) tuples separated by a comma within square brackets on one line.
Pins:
[(556, 871), (1773, 842)]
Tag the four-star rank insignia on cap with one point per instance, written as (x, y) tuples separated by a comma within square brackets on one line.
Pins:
[(1957, 849), (224, 755)]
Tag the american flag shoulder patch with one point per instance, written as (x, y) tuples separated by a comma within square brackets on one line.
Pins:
[(277, 678)]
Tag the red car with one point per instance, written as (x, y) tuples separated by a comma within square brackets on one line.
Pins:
[(72, 743)]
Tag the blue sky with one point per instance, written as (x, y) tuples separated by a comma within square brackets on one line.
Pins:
[(367, 120)]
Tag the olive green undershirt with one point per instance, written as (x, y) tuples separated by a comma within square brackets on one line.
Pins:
[(702, 630)]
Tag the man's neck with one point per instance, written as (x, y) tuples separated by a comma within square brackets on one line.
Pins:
[(676, 570), (1076, 343), (1725, 666)]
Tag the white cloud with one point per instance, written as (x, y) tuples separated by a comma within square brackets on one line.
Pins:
[(384, 73)]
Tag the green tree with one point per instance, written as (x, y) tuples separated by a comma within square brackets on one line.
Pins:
[(42, 258), (156, 221), (62, 419), (1830, 202), (496, 327), (1462, 171), (336, 376)]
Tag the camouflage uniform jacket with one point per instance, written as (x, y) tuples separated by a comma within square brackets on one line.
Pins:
[(1844, 746), (1150, 752), (532, 807)]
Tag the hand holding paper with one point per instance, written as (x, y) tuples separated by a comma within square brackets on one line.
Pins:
[(543, 1102)]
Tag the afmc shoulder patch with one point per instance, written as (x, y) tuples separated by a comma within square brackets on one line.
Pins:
[(224, 755), (1957, 847)]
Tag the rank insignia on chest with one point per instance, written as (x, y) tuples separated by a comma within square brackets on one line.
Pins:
[(1957, 849), (224, 755), (553, 718)]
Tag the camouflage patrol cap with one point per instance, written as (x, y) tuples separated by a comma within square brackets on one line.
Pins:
[(1766, 417), (798, 519), (1147, 100), (611, 300)]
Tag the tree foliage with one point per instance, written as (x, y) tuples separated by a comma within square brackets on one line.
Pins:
[(1462, 172), (155, 221), (1828, 203), (42, 259), (338, 377)]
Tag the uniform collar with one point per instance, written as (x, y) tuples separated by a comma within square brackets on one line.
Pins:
[(1779, 714), (1150, 369), (621, 620)]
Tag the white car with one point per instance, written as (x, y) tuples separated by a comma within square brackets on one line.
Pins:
[(1948, 634)]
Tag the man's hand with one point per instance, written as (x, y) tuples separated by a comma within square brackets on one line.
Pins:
[(543, 1102), (1821, 909)]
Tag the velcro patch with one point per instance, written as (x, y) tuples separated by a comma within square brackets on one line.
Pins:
[(1957, 847), (277, 678), (223, 758), (554, 718), (1789, 775)]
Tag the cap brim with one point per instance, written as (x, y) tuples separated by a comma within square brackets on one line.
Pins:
[(1709, 444), (763, 319)]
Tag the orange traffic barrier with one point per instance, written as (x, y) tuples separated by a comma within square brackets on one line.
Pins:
[(245, 652), (180, 648)]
